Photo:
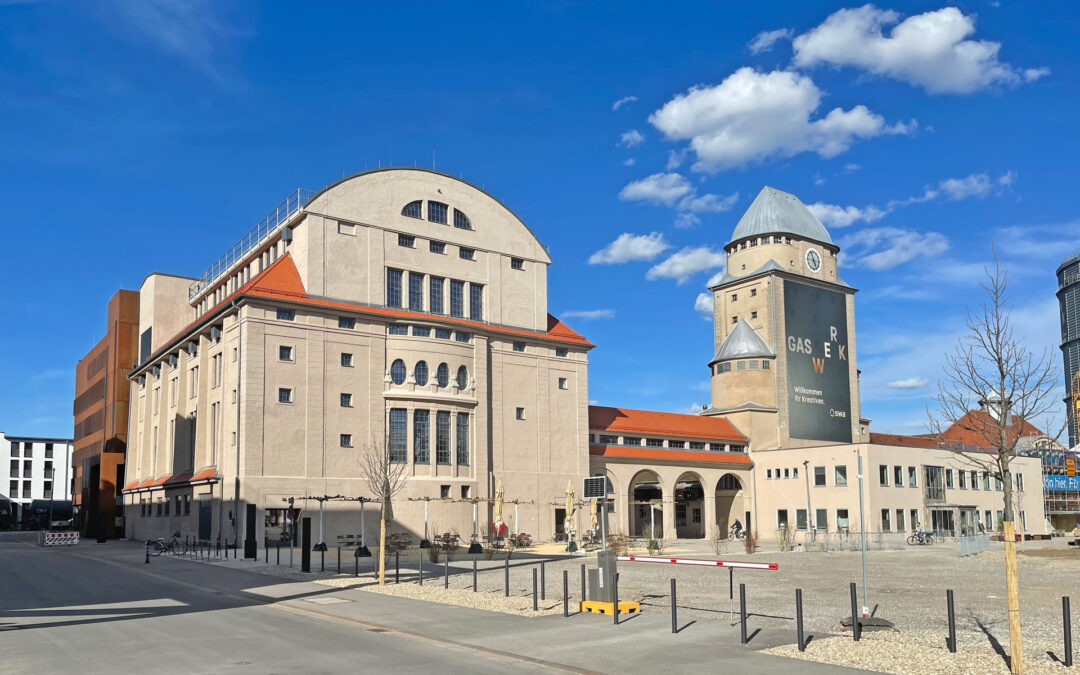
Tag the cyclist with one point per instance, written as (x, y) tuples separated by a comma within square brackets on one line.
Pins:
[(736, 530)]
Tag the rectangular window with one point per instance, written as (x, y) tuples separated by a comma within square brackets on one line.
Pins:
[(416, 292), (14, 489), (654, 442), (462, 337), (436, 212), (787, 473), (898, 476), (399, 433), (986, 481), (421, 331), (974, 480), (457, 298), (286, 314), (949, 478), (768, 474), (561, 352), (681, 445), (193, 382), (697, 445), (393, 288), (284, 395), (217, 369), (442, 333), (997, 482), (912, 477), (819, 476), (734, 320), (962, 479), (346, 359), (398, 329), (562, 383), (781, 519), (842, 522), (753, 292), (840, 475), (886, 520), (476, 302), (346, 440), (914, 518), (406, 240), (520, 413), (285, 353), (346, 400), (519, 346), (883, 475), (442, 437), (734, 297), (421, 437), (988, 519), (753, 315), (724, 367), (463, 439), (800, 519), (437, 247), (740, 365), (1019, 476), (755, 365), (764, 365), (466, 253), (822, 520), (346, 322), (435, 295), (631, 440), (900, 520), (517, 264)]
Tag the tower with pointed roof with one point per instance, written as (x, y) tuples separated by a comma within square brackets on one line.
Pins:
[(784, 369)]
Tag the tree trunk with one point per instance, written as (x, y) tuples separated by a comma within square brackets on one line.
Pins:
[(1012, 586), (382, 552)]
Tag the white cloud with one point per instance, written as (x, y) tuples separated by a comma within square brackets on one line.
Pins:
[(818, 179), (930, 50), (659, 188), (685, 219), (675, 158), (832, 215), (630, 247), (623, 101), (882, 248), (704, 303), (715, 279), (589, 314), (975, 185), (851, 167), (909, 383), (1032, 242), (629, 161), (753, 116), (631, 139), (686, 263), (708, 203), (766, 40), (192, 31)]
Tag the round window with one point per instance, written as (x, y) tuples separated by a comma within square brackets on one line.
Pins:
[(442, 375), (420, 373), (462, 377), (397, 372)]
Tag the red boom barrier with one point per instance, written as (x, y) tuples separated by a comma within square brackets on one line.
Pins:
[(702, 563)]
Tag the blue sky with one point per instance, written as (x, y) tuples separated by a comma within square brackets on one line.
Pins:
[(149, 135)]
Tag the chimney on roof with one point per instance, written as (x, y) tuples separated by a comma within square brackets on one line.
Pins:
[(993, 405)]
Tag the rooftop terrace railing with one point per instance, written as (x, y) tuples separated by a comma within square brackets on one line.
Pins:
[(258, 234)]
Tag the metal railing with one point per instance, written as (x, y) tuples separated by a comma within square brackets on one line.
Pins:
[(258, 234), (974, 544)]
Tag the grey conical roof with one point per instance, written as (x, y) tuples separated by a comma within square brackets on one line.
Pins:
[(742, 343), (775, 211)]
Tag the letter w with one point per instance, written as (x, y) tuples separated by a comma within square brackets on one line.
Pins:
[(819, 365)]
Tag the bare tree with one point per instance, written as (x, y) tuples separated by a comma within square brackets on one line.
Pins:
[(991, 367), (386, 474)]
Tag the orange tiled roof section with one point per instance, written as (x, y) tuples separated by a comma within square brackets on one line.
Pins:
[(903, 441), (978, 428), (603, 418), (205, 473), (663, 454)]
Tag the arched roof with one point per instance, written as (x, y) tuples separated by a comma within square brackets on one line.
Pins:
[(777, 212)]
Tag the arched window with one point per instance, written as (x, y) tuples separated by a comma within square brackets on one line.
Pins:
[(436, 212), (442, 375), (728, 482), (461, 221), (462, 377), (420, 373), (397, 372), (412, 209)]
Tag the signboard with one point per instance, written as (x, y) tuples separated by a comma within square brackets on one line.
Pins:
[(1070, 467), (818, 373), (1061, 482), (594, 487)]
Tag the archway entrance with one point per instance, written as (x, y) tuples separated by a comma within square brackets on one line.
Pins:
[(689, 507), (729, 503), (646, 506)]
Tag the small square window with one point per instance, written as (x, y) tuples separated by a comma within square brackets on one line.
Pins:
[(346, 322), (466, 253), (764, 365), (284, 395), (437, 247), (406, 240), (286, 314), (740, 365), (562, 383), (285, 353), (561, 352), (734, 319), (753, 292), (346, 440), (396, 329), (346, 359), (465, 492), (442, 333), (519, 346), (517, 264), (753, 315), (520, 414), (462, 337), (734, 297), (346, 400), (444, 492)]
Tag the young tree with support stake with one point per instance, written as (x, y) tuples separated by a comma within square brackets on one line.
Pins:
[(385, 478), (991, 366)]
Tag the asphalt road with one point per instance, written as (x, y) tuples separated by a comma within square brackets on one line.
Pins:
[(86, 611)]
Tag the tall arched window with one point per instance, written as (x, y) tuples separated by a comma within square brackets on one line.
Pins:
[(413, 209), (420, 373), (397, 372), (442, 375), (462, 377), (461, 221)]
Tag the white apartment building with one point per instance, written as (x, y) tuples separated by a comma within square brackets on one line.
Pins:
[(40, 468)]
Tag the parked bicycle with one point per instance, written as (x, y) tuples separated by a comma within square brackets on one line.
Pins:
[(165, 544), (920, 538)]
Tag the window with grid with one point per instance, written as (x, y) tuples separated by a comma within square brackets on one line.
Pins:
[(346, 400), (284, 395), (346, 359), (416, 292), (462, 337), (436, 212), (442, 375), (466, 253), (398, 329), (519, 346), (607, 439), (412, 209), (286, 315), (517, 264), (654, 442), (346, 440), (463, 439), (421, 331), (457, 298), (435, 295), (346, 322), (442, 333), (397, 371), (476, 302), (437, 247), (561, 352), (442, 437), (421, 436), (399, 435), (393, 288), (461, 221), (420, 373), (406, 240)]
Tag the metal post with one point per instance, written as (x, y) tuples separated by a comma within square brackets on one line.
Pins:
[(279, 553), (147, 551), (811, 525), (397, 567), (322, 560), (856, 628), (543, 582), (742, 614), (603, 521), (798, 620), (534, 590), (615, 597), (862, 536), (421, 556), (506, 576), (1067, 616), (583, 582), (339, 560), (356, 566), (290, 554), (446, 572), (674, 609), (951, 641), (474, 575), (731, 594), (266, 551), (566, 593)]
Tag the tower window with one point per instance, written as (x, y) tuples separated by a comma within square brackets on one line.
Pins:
[(517, 264), (397, 372), (437, 247), (461, 221), (406, 240), (412, 209), (735, 319), (436, 212)]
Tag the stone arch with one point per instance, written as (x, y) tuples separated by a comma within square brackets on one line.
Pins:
[(646, 509), (730, 502), (689, 500)]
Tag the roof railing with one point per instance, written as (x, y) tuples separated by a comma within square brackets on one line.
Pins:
[(269, 225)]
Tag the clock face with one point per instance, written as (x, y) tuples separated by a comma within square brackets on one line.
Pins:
[(813, 260)]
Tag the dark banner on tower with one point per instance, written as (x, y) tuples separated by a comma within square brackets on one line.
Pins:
[(819, 393)]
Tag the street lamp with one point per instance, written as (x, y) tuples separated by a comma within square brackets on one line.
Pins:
[(811, 525)]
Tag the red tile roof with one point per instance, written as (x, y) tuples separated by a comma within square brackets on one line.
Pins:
[(602, 418), (205, 473), (903, 441), (978, 428), (131, 486), (664, 455)]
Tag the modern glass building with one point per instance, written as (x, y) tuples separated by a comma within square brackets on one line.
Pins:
[(1068, 294)]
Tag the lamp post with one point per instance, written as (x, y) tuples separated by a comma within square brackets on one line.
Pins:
[(811, 522), (862, 532)]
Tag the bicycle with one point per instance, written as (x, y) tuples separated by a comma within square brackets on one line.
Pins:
[(736, 534), (165, 545), (920, 539)]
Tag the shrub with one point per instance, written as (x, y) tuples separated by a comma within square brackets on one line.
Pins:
[(751, 541)]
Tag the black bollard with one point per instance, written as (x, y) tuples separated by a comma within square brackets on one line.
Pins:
[(474, 575), (583, 582), (421, 567), (397, 568), (305, 543), (1067, 616), (339, 560), (446, 572), (147, 551), (322, 560), (506, 576), (742, 614), (543, 582), (856, 628), (279, 553), (566, 593), (799, 636), (534, 590), (615, 597), (266, 549), (950, 642), (674, 610), (356, 567)]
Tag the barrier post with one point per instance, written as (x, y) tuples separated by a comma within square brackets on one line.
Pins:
[(950, 642), (731, 594), (356, 567), (566, 593), (583, 582), (421, 557), (397, 567), (742, 614), (446, 572), (279, 553), (856, 629), (534, 590), (506, 576), (615, 596), (1067, 615), (147, 551), (674, 609), (543, 582), (339, 560), (474, 575), (798, 621)]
